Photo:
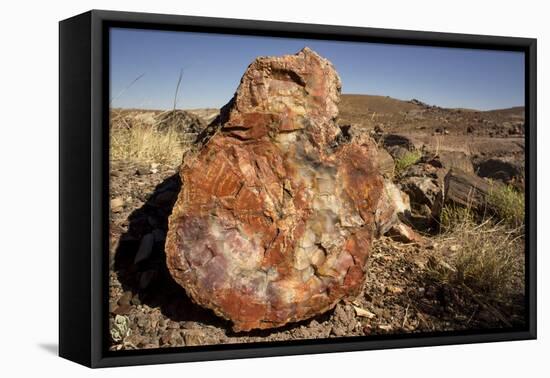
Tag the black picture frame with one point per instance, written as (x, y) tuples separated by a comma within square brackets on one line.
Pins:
[(83, 181)]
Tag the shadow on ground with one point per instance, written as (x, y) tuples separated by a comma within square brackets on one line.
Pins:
[(51, 348), (149, 280)]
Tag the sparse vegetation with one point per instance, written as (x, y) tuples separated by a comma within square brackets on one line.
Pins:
[(152, 136), (410, 158), (454, 216), (508, 204), (144, 143), (483, 257), (468, 274)]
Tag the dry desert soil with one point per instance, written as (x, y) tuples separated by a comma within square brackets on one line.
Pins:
[(147, 309)]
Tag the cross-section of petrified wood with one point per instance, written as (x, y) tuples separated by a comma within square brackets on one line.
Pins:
[(275, 217)]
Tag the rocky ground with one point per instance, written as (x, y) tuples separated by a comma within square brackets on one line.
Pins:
[(147, 309)]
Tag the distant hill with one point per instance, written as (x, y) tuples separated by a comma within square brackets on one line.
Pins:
[(395, 115)]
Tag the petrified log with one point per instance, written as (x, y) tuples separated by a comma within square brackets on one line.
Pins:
[(466, 189), (275, 217), (456, 159)]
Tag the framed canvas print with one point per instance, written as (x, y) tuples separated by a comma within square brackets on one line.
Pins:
[(234, 188)]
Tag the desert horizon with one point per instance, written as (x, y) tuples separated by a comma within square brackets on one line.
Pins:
[(344, 95)]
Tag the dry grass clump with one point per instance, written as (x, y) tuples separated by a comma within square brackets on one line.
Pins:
[(508, 204), (483, 258), (140, 141), (410, 158), (146, 144), (454, 217)]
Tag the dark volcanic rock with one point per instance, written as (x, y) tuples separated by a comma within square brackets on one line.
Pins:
[(181, 121), (393, 140), (397, 152), (507, 171), (275, 217)]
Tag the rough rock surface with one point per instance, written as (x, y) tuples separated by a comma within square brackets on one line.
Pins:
[(386, 163), (506, 170), (423, 183), (393, 207), (466, 189), (455, 159), (275, 217)]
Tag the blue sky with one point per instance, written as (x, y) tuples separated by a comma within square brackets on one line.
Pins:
[(213, 65)]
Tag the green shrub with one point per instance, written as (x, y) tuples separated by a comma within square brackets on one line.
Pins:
[(508, 205), (410, 158)]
